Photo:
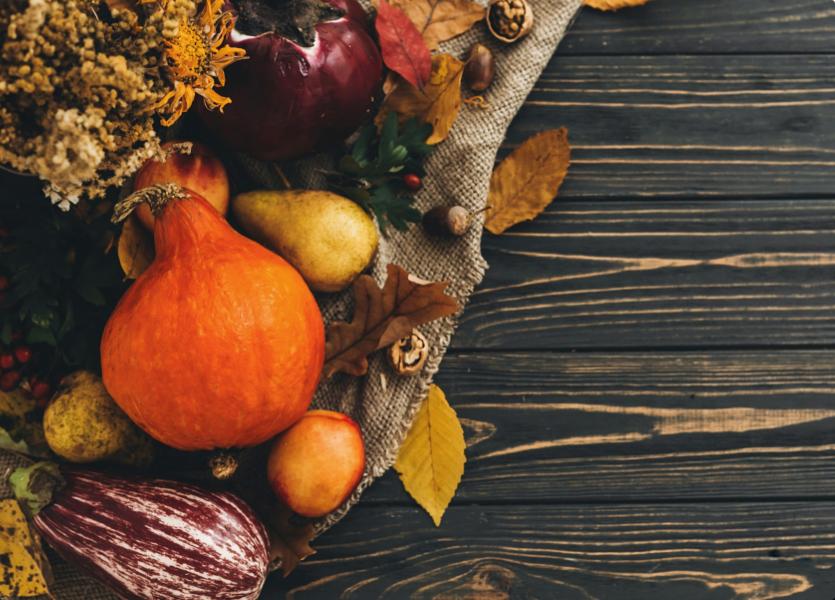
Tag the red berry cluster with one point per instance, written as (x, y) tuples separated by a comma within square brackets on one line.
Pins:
[(15, 362)]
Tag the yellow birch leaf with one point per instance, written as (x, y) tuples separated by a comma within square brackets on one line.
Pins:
[(23, 572), (441, 20), (438, 103), (431, 459), (135, 249), (527, 181), (613, 4)]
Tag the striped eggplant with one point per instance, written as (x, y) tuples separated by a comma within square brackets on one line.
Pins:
[(157, 539)]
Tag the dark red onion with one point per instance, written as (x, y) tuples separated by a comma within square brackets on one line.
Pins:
[(289, 99)]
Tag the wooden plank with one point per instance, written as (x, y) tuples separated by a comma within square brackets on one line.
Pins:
[(689, 126), (658, 274), (760, 551), (569, 427), (706, 26)]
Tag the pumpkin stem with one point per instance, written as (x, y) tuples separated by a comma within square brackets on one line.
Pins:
[(157, 196)]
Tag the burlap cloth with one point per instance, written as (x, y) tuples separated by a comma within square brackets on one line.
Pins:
[(458, 172)]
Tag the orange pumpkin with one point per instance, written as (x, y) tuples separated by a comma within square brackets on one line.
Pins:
[(219, 343)]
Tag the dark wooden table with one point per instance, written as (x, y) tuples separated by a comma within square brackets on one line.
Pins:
[(647, 374)]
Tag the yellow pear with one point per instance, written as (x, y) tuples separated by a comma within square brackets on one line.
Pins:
[(326, 237), (83, 424)]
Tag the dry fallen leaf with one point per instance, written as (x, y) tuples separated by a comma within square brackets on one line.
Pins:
[(431, 460), (381, 317), (441, 20), (135, 249), (438, 103), (527, 181), (289, 539), (613, 4), (25, 572), (404, 49)]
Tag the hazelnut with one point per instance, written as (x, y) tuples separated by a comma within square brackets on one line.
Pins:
[(408, 355), (480, 68), (509, 20)]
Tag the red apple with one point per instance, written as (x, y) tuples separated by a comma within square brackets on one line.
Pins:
[(316, 464), (201, 172)]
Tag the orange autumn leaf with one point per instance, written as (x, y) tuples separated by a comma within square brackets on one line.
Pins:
[(527, 181), (613, 4), (441, 20), (438, 103), (381, 317)]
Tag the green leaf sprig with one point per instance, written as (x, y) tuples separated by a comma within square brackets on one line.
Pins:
[(372, 174), (63, 279)]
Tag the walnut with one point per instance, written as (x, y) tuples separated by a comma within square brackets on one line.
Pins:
[(509, 20), (408, 355)]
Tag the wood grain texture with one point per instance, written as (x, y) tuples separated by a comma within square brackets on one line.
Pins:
[(688, 451), (645, 274), (689, 126), (566, 427), (706, 26), (759, 551)]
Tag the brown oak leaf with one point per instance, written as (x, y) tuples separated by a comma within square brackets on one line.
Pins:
[(527, 181), (290, 538), (613, 4), (438, 103), (441, 20), (381, 317)]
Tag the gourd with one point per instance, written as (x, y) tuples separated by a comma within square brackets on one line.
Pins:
[(219, 343)]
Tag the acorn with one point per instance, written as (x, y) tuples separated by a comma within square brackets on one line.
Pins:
[(480, 68), (509, 20), (408, 355), (446, 221)]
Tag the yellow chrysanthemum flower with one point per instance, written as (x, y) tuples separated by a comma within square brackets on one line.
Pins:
[(196, 58)]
